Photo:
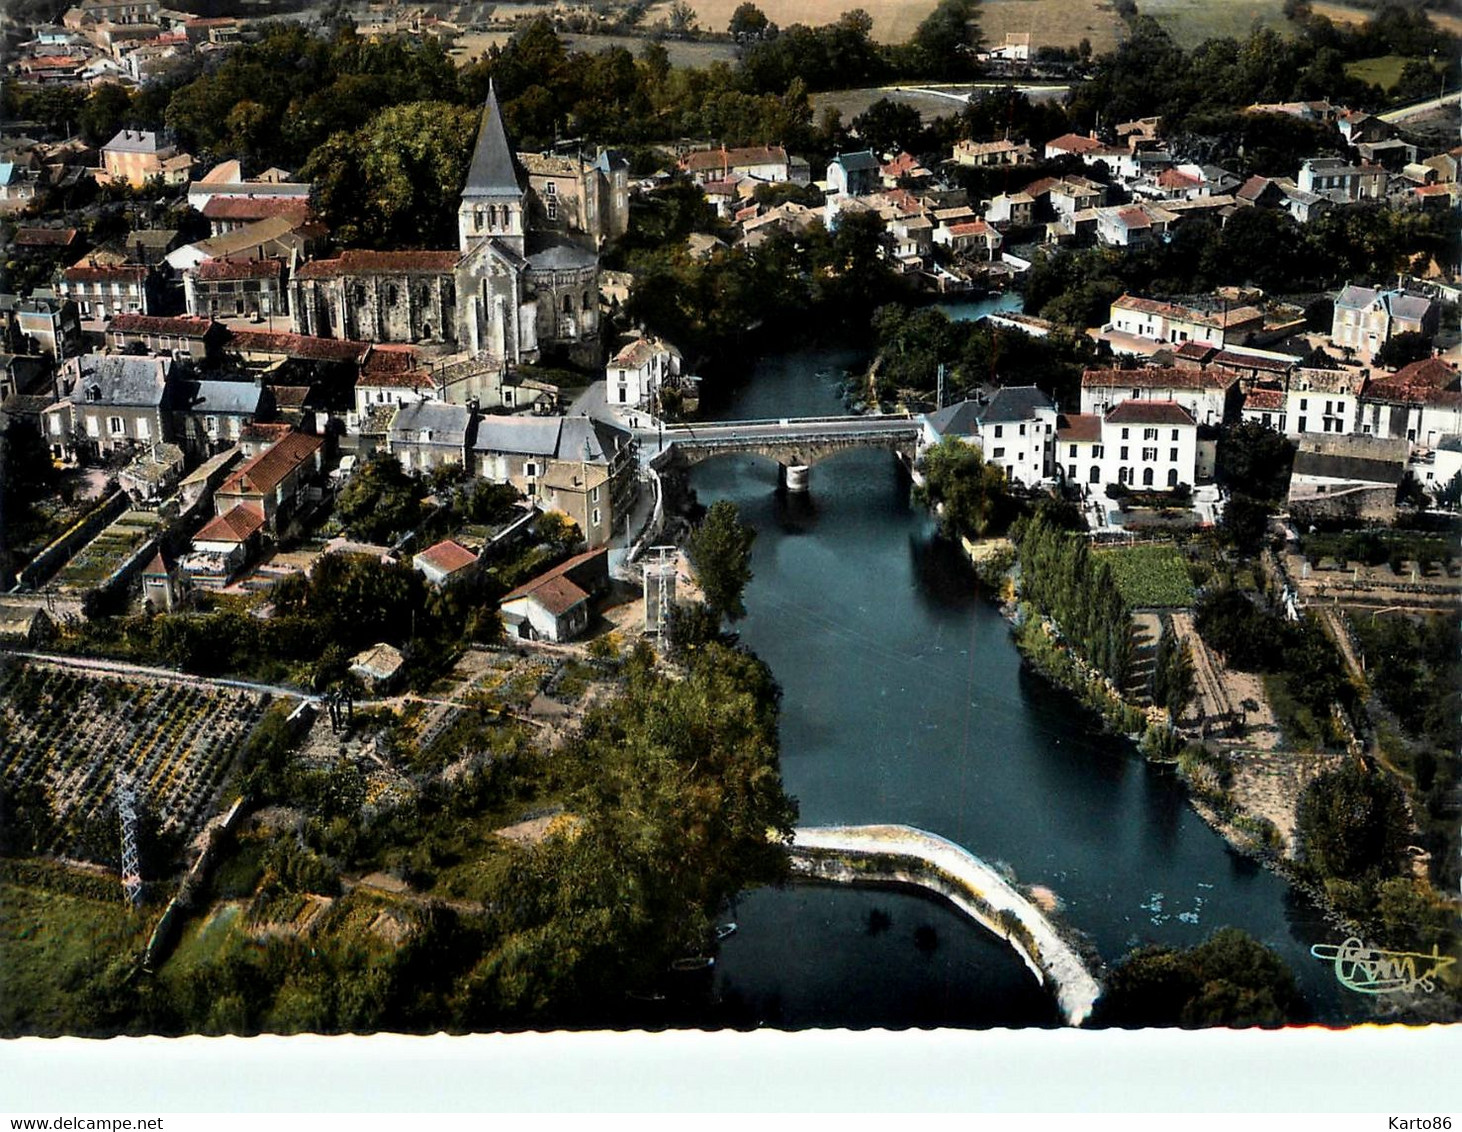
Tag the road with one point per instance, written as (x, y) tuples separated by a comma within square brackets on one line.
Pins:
[(124, 668), (1405, 112), (793, 429)]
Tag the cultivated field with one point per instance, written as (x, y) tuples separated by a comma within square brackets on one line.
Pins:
[(1190, 22), (1150, 576), (68, 732)]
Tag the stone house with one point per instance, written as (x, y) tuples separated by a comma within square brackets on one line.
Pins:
[(760, 163), (1351, 477), (1321, 401), (557, 604), (430, 434), (134, 157), (579, 466), (42, 324), (112, 403), (445, 563), (101, 291), (973, 239), (1365, 318), (1420, 403), (236, 288), (1341, 181), (209, 416), (1175, 323), (1210, 396), (985, 154), (635, 375), (853, 174), (575, 197), (196, 339), (278, 484), (1266, 406)]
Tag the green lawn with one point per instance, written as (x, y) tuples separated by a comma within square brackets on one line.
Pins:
[(52, 945), (1150, 576), (1383, 71), (1190, 22)]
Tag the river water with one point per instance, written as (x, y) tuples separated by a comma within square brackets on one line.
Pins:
[(905, 701)]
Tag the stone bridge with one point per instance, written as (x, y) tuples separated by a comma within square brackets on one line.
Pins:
[(796, 443)]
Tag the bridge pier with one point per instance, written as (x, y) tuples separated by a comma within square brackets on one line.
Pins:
[(794, 478)]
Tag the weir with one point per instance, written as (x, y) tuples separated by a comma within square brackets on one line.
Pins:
[(901, 854)]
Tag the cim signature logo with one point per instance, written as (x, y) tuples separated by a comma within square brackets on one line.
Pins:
[(1371, 970)]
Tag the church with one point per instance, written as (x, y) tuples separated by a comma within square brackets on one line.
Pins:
[(507, 295)]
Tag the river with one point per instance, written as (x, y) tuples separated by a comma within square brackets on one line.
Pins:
[(905, 701)]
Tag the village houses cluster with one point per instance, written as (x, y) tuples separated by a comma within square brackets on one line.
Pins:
[(238, 378)]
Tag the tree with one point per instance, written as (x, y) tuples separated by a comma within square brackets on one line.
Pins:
[(945, 43), (720, 551), (1254, 460), (748, 22), (1172, 674), (888, 127), (682, 18), (1352, 822), (381, 502), (395, 182), (1403, 349), (1228, 980), (970, 494)]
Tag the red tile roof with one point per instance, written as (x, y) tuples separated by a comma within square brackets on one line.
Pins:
[(411, 379), (1150, 412), (552, 589), (1158, 377), (706, 159), (358, 261), (1076, 143), (266, 471), (44, 237), (272, 431), (254, 208), (970, 228), (1197, 350), (180, 326), (1076, 428), (1264, 399), (448, 557), (93, 273), (234, 525), (1173, 179), (225, 269), (390, 358), (299, 346), (1430, 380)]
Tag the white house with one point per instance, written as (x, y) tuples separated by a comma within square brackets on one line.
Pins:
[(1149, 444), (1322, 400), (1209, 396), (1421, 403), (383, 391), (1266, 406), (634, 376), (1014, 428), (1175, 323)]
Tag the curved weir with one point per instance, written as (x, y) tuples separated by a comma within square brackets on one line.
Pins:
[(901, 854)]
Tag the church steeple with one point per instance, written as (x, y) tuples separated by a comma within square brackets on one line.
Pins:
[(492, 199)]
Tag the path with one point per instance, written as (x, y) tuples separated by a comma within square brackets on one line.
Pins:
[(126, 668), (1405, 112), (941, 866)]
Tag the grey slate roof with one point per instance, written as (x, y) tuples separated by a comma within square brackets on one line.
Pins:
[(492, 173), (120, 380), (236, 397), (1356, 468), (135, 141), (1356, 298), (1411, 307), (1008, 405), (561, 438), (863, 159), (448, 424)]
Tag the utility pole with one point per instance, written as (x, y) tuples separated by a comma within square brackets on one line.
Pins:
[(939, 388), (127, 817)]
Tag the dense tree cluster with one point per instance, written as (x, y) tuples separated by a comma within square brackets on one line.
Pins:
[(1228, 980), (1172, 673), (720, 550), (969, 494), (1066, 582)]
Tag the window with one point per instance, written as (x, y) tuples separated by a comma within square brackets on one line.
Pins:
[(594, 497), (1071, 472), (1146, 477), (93, 427), (595, 519), (211, 424), (55, 425), (1096, 474), (1073, 450), (530, 469), (1097, 451), (1149, 434), (1302, 424), (1175, 434), (1304, 402), (998, 430), (1136, 393), (1149, 453), (115, 426), (1124, 475), (1172, 477), (550, 207), (143, 431), (1022, 430), (1124, 434), (550, 188), (997, 454), (1173, 455), (391, 294), (1123, 454)]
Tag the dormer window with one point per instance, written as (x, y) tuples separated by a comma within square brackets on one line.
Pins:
[(424, 436), (93, 393)]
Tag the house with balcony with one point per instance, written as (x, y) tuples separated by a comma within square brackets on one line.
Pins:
[(101, 291)]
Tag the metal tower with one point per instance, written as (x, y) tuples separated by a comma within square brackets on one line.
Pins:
[(657, 612), (131, 862)]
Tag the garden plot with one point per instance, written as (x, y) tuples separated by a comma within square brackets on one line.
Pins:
[(1150, 577), (67, 733), (99, 559)]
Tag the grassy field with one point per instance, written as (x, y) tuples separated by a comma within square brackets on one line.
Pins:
[(893, 20), (1190, 22), (1383, 71), (1150, 576), (1053, 23), (51, 945)]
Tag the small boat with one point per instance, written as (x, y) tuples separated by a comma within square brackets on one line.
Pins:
[(693, 963), (723, 930)]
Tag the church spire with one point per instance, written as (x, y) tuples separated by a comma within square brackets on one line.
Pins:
[(493, 172)]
